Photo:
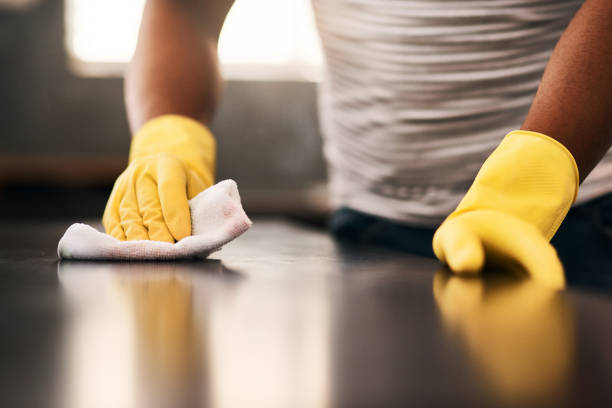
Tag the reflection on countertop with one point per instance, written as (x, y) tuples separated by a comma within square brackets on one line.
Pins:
[(520, 333), (285, 317), (182, 334)]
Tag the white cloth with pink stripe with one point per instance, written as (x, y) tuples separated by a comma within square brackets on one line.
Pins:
[(217, 217)]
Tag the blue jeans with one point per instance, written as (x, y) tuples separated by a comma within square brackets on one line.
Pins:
[(583, 242)]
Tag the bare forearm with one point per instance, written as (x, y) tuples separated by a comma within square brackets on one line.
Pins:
[(574, 101), (175, 67)]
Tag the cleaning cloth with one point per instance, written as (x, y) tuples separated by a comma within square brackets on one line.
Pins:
[(217, 217)]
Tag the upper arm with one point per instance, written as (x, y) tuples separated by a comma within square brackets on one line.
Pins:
[(214, 13), (209, 14)]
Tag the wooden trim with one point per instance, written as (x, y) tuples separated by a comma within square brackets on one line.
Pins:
[(61, 169)]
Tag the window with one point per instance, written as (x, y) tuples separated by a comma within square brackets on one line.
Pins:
[(261, 39)]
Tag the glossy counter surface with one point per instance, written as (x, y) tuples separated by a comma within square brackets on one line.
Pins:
[(284, 317)]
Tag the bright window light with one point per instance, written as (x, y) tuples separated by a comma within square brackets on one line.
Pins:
[(261, 39)]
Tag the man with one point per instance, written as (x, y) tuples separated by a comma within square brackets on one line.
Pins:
[(416, 96)]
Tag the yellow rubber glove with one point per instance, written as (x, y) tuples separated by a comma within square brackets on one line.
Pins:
[(172, 159), (517, 202)]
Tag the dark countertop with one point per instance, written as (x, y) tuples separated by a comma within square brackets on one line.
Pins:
[(283, 317)]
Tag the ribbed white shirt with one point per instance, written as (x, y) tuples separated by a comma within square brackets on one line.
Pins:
[(417, 94)]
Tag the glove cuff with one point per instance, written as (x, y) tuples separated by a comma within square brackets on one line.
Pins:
[(571, 162), (183, 137), (530, 176)]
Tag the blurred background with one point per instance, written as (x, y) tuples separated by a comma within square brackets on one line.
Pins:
[(64, 134)]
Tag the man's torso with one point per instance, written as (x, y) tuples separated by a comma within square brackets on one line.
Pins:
[(418, 93)]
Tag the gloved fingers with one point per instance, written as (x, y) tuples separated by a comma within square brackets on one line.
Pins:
[(150, 209), (172, 190), (509, 240), (131, 219), (111, 219), (459, 247), (195, 184)]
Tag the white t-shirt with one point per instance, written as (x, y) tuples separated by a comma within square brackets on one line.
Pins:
[(417, 94)]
